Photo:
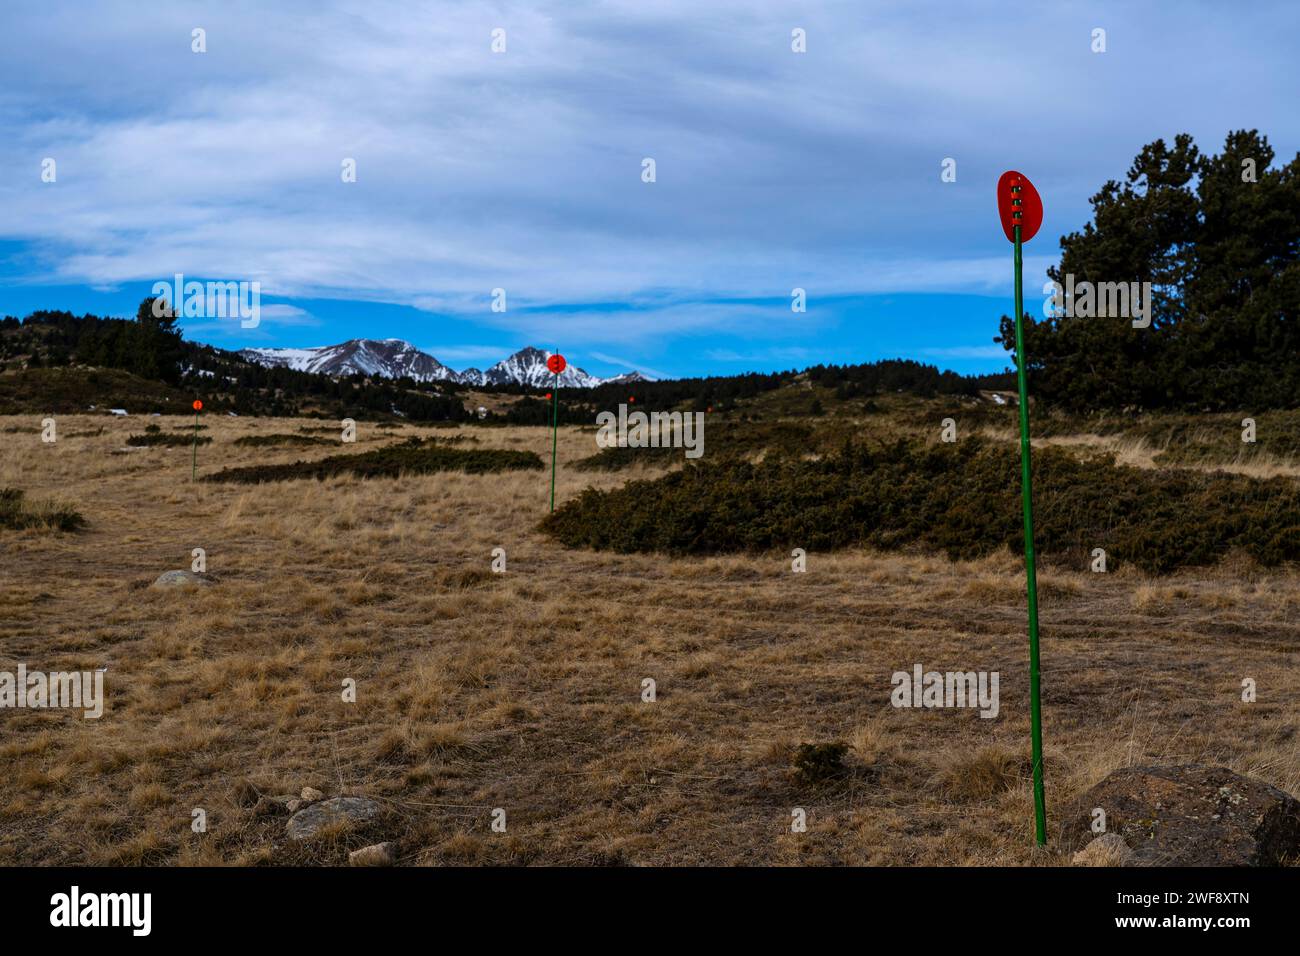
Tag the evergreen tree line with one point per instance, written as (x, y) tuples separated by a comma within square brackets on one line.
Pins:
[(903, 375), (153, 348)]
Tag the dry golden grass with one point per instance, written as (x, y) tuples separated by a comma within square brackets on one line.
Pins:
[(523, 690), (1136, 451)]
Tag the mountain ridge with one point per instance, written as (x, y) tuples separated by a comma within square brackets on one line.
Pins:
[(396, 358)]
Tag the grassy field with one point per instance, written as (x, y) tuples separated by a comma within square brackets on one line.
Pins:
[(523, 690)]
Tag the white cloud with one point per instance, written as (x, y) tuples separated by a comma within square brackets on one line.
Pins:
[(968, 352), (288, 315), (624, 363), (463, 356)]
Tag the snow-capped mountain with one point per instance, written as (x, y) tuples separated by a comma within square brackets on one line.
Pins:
[(394, 358), (626, 378), (390, 358), (528, 367)]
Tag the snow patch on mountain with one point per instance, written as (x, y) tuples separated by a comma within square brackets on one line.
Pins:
[(389, 358), (395, 358)]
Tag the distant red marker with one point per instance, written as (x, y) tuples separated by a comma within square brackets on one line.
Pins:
[(194, 455), (555, 362), (631, 399)]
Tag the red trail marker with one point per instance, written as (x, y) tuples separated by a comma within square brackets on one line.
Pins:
[(556, 364), (1021, 212), (1019, 205), (194, 459)]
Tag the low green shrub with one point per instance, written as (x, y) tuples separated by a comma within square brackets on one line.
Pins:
[(153, 436), (723, 438), (962, 499), (412, 456), (289, 438), (17, 513), (820, 763), (616, 458)]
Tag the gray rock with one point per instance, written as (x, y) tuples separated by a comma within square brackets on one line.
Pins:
[(182, 579), (1191, 815), (380, 854), (311, 819)]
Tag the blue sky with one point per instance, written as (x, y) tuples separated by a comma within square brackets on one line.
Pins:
[(522, 170)]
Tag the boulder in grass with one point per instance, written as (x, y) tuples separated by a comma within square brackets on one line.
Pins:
[(314, 817), (184, 579), (1192, 815)]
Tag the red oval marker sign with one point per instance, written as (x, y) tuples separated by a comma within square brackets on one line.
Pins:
[(1019, 205), (556, 363), (197, 404)]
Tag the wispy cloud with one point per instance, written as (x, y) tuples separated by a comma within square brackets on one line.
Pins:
[(290, 315), (967, 352), (766, 357), (624, 363), (457, 355)]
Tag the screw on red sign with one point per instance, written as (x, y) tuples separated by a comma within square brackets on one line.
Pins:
[(197, 405), (1019, 205), (556, 363)]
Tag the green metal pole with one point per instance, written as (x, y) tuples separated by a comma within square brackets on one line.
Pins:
[(1026, 493), (555, 425), (194, 462)]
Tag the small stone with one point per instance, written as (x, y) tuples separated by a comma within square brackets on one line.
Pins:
[(186, 579), (293, 805), (380, 854), (1109, 849), (311, 795), (314, 817)]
